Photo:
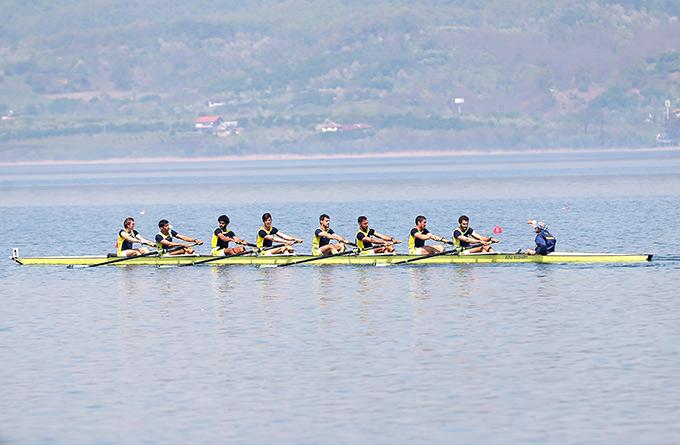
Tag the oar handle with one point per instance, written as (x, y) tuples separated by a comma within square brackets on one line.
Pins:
[(294, 241), (442, 239), (273, 246), (375, 246), (183, 246)]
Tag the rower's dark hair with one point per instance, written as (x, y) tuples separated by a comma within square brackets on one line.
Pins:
[(323, 216), (463, 218), (127, 221), (419, 218), (361, 219), (223, 218), (162, 222), (265, 216)]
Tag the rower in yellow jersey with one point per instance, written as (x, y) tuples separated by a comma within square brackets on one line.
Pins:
[(321, 243), (221, 238), (164, 240), (267, 235), (127, 237), (366, 238), (465, 236), (419, 234)]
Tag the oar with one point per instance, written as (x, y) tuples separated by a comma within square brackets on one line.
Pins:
[(323, 257), (220, 257), (316, 258), (127, 258), (452, 252)]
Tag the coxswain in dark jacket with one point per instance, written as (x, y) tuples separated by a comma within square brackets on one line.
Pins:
[(545, 242)]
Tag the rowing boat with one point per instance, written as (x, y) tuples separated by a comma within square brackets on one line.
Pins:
[(495, 257)]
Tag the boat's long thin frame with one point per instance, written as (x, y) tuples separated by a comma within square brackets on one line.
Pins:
[(557, 257)]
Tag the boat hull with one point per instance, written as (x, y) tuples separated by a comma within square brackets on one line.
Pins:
[(341, 260)]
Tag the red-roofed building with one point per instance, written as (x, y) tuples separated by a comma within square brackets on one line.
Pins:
[(207, 123)]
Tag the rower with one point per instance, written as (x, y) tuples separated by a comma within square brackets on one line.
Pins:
[(267, 235), (545, 242), (164, 240), (321, 243), (221, 238), (419, 234), (366, 238), (127, 237), (464, 236)]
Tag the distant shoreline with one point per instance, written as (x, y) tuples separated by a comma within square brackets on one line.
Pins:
[(303, 157)]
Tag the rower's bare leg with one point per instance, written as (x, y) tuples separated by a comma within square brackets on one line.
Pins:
[(474, 250), (234, 250), (183, 251), (130, 253), (277, 251), (389, 249), (330, 249), (426, 250)]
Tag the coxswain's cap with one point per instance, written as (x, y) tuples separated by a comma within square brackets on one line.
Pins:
[(540, 224)]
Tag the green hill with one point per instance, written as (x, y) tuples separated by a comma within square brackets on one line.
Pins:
[(102, 78)]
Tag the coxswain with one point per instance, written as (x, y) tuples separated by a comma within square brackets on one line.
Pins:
[(323, 235), (365, 239), (545, 242), (419, 234), (164, 240), (465, 236), (129, 236), (221, 238), (267, 235)]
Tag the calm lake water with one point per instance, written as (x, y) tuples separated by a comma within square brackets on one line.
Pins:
[(488, 354)]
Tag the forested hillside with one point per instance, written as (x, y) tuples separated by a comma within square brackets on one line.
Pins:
[(99, 78)]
